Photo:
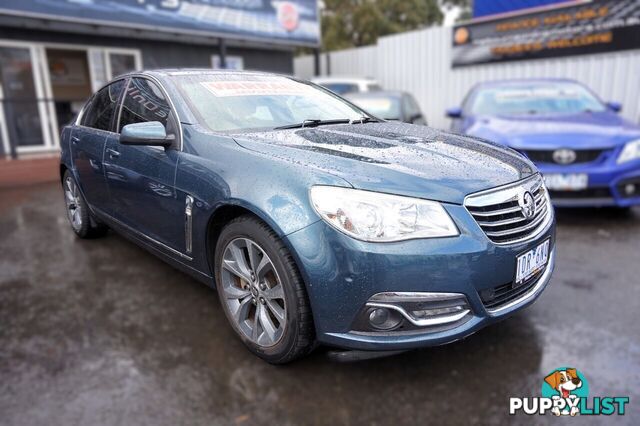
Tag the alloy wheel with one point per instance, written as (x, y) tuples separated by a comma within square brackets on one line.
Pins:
[(72, 200), (253, 292)]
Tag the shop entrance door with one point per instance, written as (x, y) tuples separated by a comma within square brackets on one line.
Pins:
[(70, 82), (44, 86), (22, 109)]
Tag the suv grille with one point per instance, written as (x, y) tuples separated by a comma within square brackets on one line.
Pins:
[(546, 156), (500, 212)]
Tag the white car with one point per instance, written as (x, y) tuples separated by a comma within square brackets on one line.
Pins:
[(342, 85)]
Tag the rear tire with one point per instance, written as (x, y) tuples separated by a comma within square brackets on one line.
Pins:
[(262, 292), (80, 218)]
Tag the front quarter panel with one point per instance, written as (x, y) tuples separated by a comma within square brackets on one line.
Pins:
[(217, 172)]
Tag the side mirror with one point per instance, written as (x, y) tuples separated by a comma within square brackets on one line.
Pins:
[(455, 112), (151, 133), (614, 106)]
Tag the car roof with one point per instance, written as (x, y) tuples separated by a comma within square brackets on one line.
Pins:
[(169, 72), (343, 79), (186, 71), (376, 94), (521, 81)]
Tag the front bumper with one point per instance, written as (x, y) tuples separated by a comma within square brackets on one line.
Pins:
[(342, 274), (606, 185)]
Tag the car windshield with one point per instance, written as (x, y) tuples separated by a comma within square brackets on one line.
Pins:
[(245, 102), (383, 107), (535, 98)]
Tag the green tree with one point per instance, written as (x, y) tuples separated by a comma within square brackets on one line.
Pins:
[(350, 23), (464, 5)]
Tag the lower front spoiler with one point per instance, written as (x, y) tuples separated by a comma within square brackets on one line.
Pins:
[(357, 355), (383, 343)]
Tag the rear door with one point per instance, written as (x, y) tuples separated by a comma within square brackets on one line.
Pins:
[(141, 179), (87, 144)]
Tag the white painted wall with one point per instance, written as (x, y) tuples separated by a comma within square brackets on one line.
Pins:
[(419, 62)]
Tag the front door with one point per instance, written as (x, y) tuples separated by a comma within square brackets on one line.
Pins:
[(141, 179)]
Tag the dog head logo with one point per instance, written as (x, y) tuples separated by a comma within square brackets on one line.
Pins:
[(566, 386), (564, 381)]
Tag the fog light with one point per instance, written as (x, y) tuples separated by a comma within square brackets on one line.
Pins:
[(630, 189), (384, 319)]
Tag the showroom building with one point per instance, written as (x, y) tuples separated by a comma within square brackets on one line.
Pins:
[(55, 54)]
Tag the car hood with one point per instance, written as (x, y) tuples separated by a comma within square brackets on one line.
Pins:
[(577, 131), (396, 158)]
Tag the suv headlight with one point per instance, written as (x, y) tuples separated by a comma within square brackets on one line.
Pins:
[(631, 151), (377, 217)]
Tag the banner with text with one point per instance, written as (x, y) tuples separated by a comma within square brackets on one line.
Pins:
[(287, 21), (597, 26)]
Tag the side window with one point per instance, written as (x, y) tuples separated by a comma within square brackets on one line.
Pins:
[(412, 106), (144, 101), (100, 112)]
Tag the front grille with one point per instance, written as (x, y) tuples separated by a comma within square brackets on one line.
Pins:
[(501, 215), (493, 298), (602, 192), (546, 156)]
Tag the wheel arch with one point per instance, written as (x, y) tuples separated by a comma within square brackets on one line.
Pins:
[(63, 169), (224, 214)]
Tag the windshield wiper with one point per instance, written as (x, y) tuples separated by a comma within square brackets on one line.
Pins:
[(363, 120), (313, 123)]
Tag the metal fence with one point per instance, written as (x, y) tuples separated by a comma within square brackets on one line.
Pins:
[(419, 62)]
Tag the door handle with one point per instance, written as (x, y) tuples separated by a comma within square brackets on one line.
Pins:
[(113, 153), (75, 140)]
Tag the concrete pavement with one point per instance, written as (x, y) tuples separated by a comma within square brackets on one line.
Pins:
[(102, 332)]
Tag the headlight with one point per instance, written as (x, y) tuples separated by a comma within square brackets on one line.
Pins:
[(372, 216), (631, 151)]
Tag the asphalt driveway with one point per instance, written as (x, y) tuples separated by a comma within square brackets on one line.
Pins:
[(102, 332)]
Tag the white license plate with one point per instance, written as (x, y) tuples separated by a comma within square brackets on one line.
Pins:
[(566, 181), (531, 262)]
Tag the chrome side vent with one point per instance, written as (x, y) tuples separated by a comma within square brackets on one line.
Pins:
[(512, 213), (188, 223)]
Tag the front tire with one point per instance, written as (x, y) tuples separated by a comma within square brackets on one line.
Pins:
[(80, 219), (262, 292)]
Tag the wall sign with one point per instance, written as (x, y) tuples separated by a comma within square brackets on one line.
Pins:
[(288, 21), (597, 26)]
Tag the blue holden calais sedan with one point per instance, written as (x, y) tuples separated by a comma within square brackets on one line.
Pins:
[(588, 154), (314, 221)]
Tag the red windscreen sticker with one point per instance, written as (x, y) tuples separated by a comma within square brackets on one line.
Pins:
[(256, 88)]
